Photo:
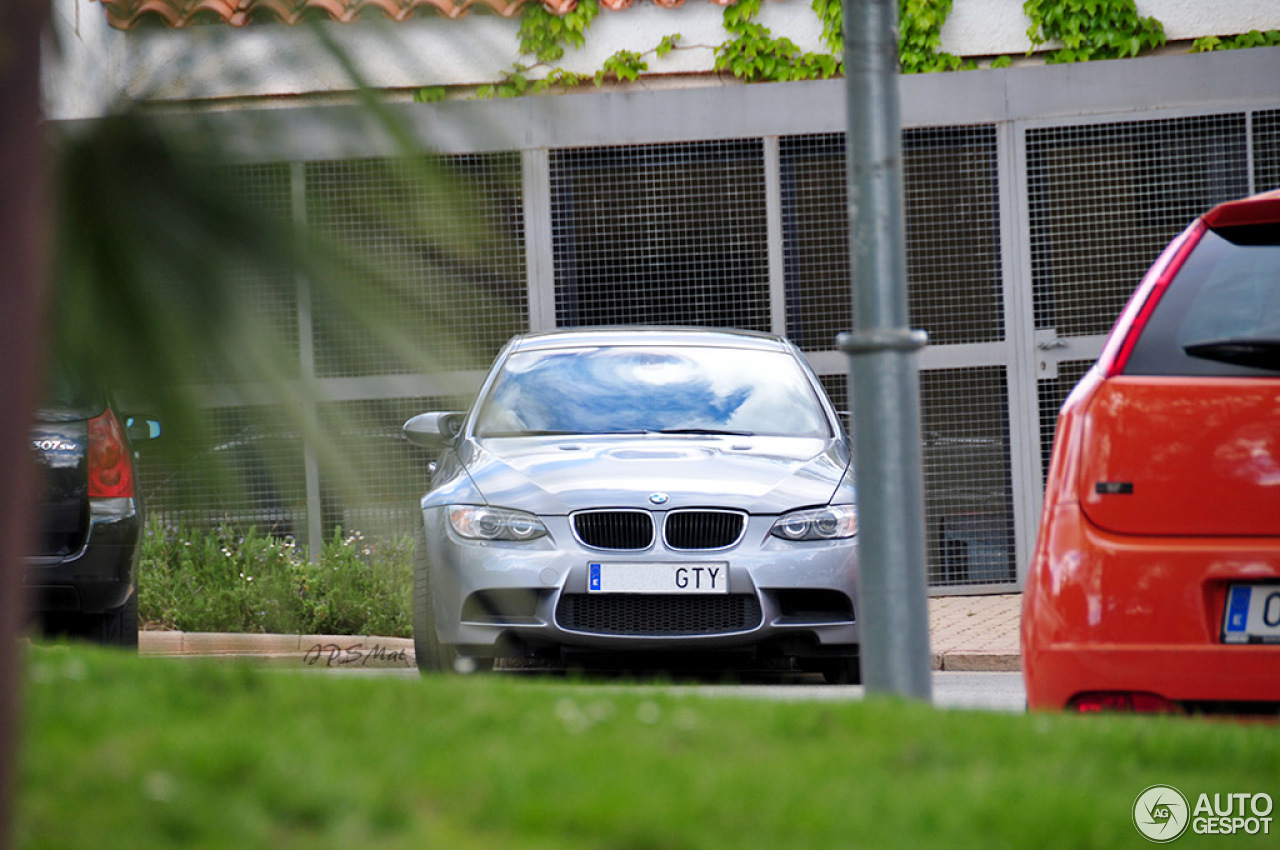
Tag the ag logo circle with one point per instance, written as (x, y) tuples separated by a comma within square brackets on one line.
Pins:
[(1161, 813)]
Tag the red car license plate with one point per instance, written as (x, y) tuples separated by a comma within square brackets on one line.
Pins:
[(1252, 614)]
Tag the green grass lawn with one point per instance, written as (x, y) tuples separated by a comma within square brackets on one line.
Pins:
[(122, 751)]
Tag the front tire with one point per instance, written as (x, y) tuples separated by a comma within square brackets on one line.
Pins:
[(432, 655)]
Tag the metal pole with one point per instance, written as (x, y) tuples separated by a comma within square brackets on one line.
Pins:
[(885, 379), (307, 365)]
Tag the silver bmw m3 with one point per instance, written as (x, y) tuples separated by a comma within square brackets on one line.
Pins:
[(624, 493)]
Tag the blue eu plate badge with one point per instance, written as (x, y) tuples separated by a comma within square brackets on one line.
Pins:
[(594, 578), (1252, 613), (1238, 609)]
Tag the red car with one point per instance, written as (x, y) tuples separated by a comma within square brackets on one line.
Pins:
[(1155, 583)]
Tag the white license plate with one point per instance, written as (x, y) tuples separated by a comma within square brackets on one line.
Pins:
[(619, 577), (1253, 614)]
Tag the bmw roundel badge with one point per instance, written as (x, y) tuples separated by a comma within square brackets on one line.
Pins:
[(659, 498)]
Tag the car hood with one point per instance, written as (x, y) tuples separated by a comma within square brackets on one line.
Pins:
[(556, 476)]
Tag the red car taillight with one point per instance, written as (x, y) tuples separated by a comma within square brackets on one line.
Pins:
[(110, 464), (1124, 701)]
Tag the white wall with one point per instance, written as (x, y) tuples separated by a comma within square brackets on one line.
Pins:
[(98, 64), (85, 61), (997, 27)]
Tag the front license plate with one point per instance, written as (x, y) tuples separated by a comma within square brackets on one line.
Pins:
[(1253, 614), (618, 577)]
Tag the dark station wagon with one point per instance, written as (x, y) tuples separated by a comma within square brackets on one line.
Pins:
[(82, 573)]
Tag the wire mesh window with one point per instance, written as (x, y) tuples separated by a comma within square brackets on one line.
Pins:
[(263, 279), (372, 478), (661, 234), (968, 476), (269, 188), (246, 470), (952, 210), (815, 239), (951, 191), (837, 387), (248, 473), (1266, 150), (1052, 393), (1105, 199), (432, 250)]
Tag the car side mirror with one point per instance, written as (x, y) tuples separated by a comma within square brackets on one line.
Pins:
[(142, 430), (434, 430)]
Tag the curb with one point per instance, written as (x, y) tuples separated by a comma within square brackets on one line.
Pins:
[(978, 661), (319, 651), (353, 651)]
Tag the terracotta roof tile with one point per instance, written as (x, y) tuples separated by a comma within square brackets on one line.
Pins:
[(127, 14)]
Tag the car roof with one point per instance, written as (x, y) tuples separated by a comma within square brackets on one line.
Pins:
[(1257, 209), (641, 335)]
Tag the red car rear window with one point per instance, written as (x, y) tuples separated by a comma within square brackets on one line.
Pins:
[(1221, 314)]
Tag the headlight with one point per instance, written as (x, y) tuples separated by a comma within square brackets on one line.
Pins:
[(835, 522), (486, 523)]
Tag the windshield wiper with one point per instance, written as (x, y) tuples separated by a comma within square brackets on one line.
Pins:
[(534, 432), (531, 433), (715, 431), (1258, 353)]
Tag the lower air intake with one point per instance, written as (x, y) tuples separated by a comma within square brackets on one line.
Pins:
[(637, 614)]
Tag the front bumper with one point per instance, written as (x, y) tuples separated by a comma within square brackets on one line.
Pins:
[(498, 598), (1114, 613)]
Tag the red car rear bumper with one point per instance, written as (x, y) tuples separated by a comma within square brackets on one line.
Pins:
[(1115, 613), (1201, 674)]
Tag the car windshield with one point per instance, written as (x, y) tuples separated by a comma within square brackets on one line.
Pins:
[(625, 389)]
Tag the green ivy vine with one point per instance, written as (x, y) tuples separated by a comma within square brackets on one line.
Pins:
[(1091, 29), (1252, 38), (1085, 29), (920, 37), (753, 54), (831, 13), (545, 37)]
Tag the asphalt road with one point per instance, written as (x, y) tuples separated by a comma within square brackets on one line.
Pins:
[(995, 691)]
